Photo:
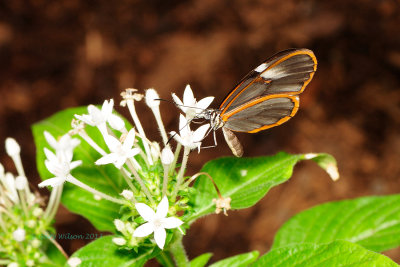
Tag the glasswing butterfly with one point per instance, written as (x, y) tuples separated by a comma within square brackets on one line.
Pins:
[(265, 97)]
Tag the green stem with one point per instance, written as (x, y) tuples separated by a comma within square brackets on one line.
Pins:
[(178, 251), (179, 178), (165, 259)]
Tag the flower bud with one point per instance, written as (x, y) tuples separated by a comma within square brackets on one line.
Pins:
[(167, 157), (12, 147), (74, 262), (119, 225), (19, 235), (119, 241), (20, 182), (152, 98), (127, 194)]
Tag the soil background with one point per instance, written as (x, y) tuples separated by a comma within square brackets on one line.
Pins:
[(60, 54)]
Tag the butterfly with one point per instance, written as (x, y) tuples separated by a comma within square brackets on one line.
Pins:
[(266, 97)]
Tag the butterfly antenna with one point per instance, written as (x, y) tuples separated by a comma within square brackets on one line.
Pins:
[(176, 104)]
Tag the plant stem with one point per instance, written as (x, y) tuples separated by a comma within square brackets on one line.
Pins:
[(178, 251), (165, 259), (179, 178)]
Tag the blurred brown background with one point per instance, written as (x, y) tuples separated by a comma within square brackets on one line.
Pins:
[(59, 54)]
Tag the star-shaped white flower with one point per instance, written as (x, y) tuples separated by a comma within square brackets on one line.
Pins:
[(97, 117), (120, 152), (157, 222), (189, 105), (187, 137), (60, 167), (64, 146)]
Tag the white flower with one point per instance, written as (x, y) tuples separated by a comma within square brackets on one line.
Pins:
[(97, 117), (64, 146), (157, 222), (19, 235), (12, 147), (58, 166), (120, 152), (190, 106), (152, 98), (73, 262), (188, 138)]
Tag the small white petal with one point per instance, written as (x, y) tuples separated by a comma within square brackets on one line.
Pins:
[(130, 139), (75, 164), (205, 102), (198, 135), (171, 222), (159, 236), (132, 152), (50, 155), (119, 162), (107, 107), (162, 208), (178, 138), (119, 225), (52, 166), (50, 139), (106, 159), (177, 100), (145, 211), (112, 142), (184, 128), (144, 230), (53, 182), (188, 97)]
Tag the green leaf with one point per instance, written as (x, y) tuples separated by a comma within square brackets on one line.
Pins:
[(372, 222), (55, 256), (244, 180), (200, 261), (241, 260), (337, 253), (104, 178), (103, 252)]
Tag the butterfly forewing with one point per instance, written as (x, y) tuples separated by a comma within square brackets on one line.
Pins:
[(267, 96), (288, 72)]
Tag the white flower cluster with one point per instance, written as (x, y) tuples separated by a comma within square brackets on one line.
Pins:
[(21, 217), (133, 154)]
